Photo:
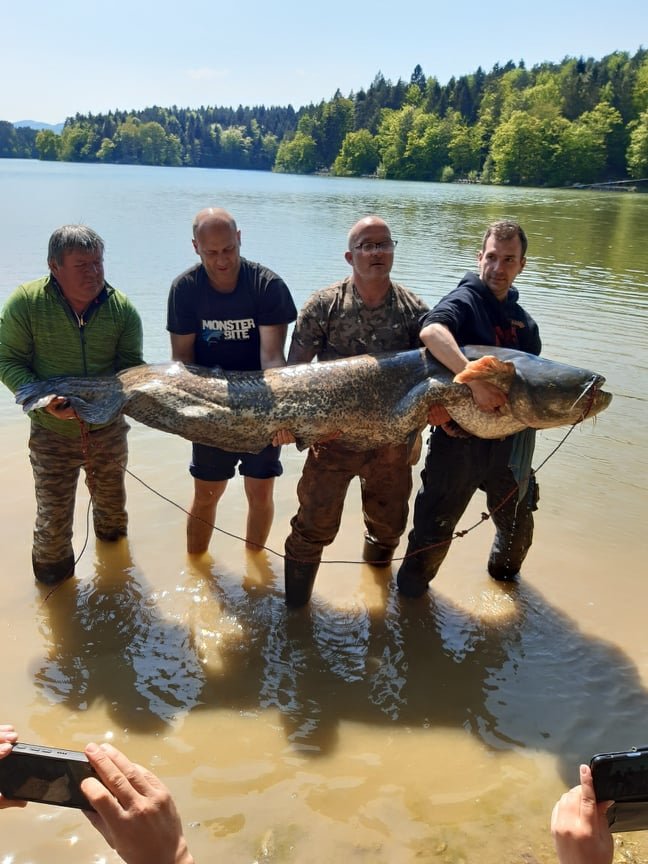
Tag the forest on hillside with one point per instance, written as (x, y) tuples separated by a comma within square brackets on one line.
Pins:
[(574, 122)]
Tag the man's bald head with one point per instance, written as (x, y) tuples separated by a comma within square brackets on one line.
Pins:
[(217, 241), (361, 226), (213, 217)]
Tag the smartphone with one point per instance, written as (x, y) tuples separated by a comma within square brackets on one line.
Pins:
[(49, 775), (623, 778)]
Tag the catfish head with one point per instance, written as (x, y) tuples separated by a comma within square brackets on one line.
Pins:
[(541, 393)]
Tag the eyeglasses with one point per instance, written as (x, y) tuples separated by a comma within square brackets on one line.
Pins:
[(385, 246)]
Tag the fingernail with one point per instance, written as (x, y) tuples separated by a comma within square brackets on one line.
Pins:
[(92, 747)]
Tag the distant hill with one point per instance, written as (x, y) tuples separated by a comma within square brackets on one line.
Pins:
[(36, 124)]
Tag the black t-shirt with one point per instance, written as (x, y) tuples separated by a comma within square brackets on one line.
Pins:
[(227, 325)]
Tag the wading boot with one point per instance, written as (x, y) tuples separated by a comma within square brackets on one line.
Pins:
[(416, 572), (110, 536), (53, 572), (299, 578), (502, 572), (376, 554)]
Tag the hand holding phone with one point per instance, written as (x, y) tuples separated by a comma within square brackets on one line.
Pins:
[(48, 775), (579, 825), (622, 777), (134, 810), (8, 737)]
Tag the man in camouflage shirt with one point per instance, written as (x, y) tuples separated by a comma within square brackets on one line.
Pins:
[(71, 322), (364, 313)]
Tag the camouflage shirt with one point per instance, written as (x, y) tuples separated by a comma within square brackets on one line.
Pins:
[(335, 323)]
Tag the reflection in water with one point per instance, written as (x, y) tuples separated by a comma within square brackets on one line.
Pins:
[(108, 643), (516, 676), (525, 677)]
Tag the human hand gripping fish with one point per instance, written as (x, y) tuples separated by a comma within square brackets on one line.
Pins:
[(61, 408)]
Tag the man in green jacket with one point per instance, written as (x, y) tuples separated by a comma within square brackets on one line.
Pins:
[(71, 322)]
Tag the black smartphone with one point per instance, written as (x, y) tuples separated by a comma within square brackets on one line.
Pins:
[(49, 775), (622, 777)]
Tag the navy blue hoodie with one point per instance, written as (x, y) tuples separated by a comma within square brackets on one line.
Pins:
[(474, 316)]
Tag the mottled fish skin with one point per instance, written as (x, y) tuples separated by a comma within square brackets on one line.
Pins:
[(365, 401)]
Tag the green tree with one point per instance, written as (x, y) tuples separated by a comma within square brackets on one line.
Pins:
[(432, 97), (297, 156), (8, 140), (414, 96), (579, 87), (503, 94), (358, 155), (152, 144), (606, 124), (106, 152), (392, 138), (543, 98), (235, 147), (47, 145), (330, 124), (127, 142), (426, 152), (76, 143), (418, 79), (173, 151), (464, 148), (638, 147), (26, 143), (640, 93), (268, 151), (209, 153), (618, 71), (578, 153), (520, 150)]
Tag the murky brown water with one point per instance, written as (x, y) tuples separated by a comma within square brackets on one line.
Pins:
[(365, 728)]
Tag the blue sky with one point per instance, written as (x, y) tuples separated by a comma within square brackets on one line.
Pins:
[(69, 56)]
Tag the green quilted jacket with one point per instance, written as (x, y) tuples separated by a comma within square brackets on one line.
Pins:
[(42, 337)]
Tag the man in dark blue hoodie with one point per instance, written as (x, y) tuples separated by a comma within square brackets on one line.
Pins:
[(482, 310)]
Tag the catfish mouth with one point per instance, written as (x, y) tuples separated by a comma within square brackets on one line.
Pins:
[(592, 400)]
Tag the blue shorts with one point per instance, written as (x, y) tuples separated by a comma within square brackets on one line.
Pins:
[(212, 463)]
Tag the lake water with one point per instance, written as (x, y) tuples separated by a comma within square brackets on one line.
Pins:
[(363, 729)]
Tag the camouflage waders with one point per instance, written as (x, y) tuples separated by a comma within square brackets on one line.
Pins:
[(56, 461), (385, 482)]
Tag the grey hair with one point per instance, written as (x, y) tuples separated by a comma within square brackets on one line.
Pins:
[(72, 238)]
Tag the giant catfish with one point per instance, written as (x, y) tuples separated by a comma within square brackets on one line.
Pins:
[(364, 401)]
